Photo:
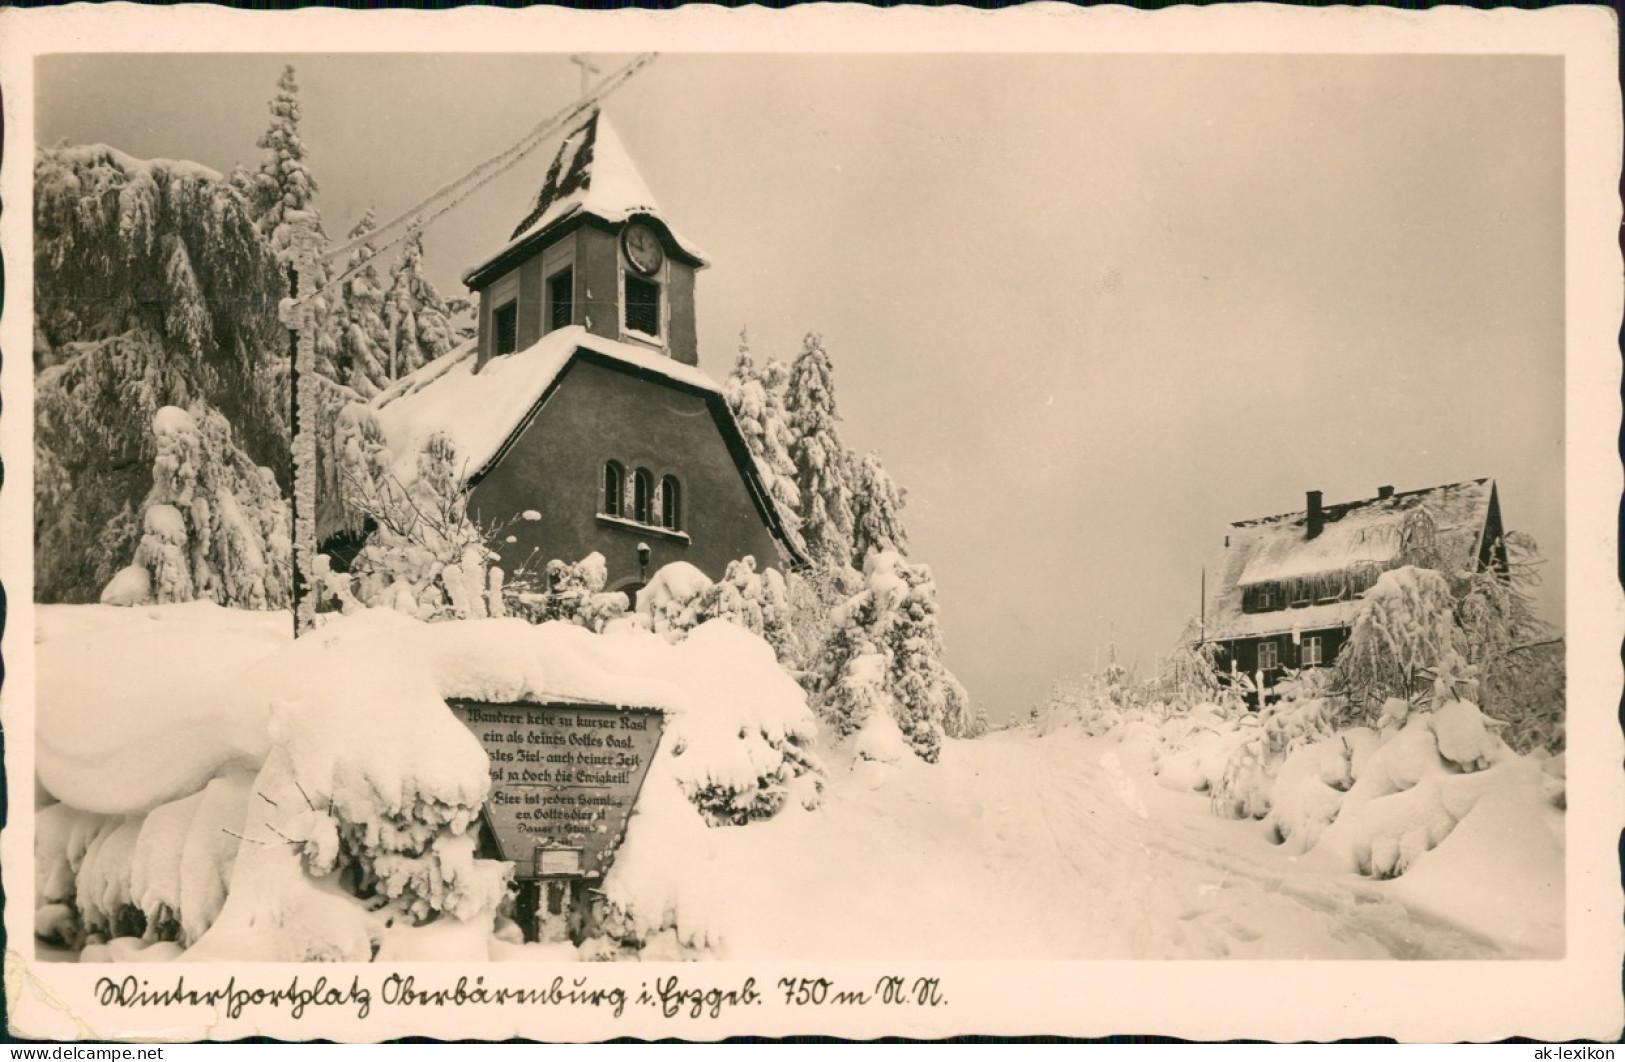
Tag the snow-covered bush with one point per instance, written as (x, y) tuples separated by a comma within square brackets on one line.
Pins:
[(746, 754), (574, 594), (670, 603), (425, 557), (680, 597), (365, 808), (1404, 632), (1406, 791), (1244, 788), (214, 526), (1432, 637), (760, 603)]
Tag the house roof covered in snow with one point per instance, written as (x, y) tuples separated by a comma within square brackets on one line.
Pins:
[(483, 413), (591, 176), (1376, 533)]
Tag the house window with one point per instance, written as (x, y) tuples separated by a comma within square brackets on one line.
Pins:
[(560, 299), (1311, 655), (671, 512), (1268, 656), (614, 489), (642, 306), (643, 490), (1301, 594), (505, 326), (1263, 598)]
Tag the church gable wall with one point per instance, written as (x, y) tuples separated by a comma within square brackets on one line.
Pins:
[(556, 468)]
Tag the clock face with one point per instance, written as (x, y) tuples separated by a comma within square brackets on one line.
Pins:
[(643, 250)]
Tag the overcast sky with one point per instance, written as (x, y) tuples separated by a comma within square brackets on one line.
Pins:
[(1089, 309)]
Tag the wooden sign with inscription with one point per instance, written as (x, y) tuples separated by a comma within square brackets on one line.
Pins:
[(564, 778)]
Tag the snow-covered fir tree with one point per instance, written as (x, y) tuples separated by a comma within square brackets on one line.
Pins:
[(876, 502), (926, 693), (885, 651), (464, 317), (152, 289), (362, 361), (756, 398), (417, 318), (214, 525), (823, 463), (283, 182)]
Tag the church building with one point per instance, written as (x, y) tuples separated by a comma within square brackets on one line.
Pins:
[(581, 416)]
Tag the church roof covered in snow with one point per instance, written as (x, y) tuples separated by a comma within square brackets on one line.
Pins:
[(1449, 522), (483, 413), (590, 176)]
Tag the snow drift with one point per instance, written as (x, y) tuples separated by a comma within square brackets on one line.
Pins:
[(357, 829)]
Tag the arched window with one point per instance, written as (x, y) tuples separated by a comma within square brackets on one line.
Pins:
[(614, 488), (643, 496), (671, 504)]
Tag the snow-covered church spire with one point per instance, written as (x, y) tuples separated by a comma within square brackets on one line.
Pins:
[(598, 253)]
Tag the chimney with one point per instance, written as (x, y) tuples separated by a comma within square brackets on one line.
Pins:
[(1384, 493), (1316, 517)]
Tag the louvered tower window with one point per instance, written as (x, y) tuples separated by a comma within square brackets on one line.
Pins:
[(560, 299), (642, 306), (505, 323)]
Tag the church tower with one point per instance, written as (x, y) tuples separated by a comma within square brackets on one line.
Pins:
[(593, 250)]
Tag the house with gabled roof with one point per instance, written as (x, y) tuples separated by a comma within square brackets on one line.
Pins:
[(582, 405), (1283, 591)]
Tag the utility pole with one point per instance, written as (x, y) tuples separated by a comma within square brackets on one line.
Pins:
[(299, 317), (1203, 606)]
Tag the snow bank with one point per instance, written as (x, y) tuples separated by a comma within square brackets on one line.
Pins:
[(1432, 801), (356, 792), (137, 707)]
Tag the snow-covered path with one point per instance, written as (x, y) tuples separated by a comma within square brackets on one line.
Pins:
[(1023, 847)]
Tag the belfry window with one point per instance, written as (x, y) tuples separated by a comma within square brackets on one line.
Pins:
[(614, 489), (671, 504), (642, 306), (643, 490), (505, 328), (560, 299)]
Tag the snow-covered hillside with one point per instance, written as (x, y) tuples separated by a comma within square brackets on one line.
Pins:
[(1020, 844)]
